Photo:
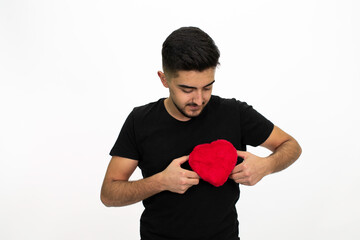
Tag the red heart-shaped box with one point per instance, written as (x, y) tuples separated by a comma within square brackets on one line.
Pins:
[(213, 162)]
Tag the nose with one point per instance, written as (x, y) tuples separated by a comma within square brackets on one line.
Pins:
[(198, 98)]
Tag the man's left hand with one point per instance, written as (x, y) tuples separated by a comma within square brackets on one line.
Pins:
[(251, 170)]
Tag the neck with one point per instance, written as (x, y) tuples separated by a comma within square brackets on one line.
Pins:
[(173, 111)]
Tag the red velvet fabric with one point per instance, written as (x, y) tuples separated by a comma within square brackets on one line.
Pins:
[(213, 162)]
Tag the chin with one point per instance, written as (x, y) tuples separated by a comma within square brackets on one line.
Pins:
[(193, 114)]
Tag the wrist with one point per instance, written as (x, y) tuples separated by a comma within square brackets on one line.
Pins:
[(159, 181), (270, 165)]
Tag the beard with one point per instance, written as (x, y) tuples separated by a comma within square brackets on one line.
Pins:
[(184, 113)]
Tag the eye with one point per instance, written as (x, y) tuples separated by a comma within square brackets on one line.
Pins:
[(185, 90)]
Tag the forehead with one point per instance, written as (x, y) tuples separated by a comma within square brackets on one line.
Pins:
[(194, 78)]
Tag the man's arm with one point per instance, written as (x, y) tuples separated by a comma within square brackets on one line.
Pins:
[(117, 190), (286, 151)]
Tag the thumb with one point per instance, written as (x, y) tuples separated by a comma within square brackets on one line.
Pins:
[(242, 154), (182, 159)]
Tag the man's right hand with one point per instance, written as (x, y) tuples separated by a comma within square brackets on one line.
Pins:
[(177, 179), (117, 190)]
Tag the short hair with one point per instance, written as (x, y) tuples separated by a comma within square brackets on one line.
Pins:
[(189, 48)]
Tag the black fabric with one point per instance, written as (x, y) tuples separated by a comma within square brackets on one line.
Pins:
[(154, 138)]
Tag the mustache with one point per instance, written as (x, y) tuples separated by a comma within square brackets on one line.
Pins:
[(192, 105)]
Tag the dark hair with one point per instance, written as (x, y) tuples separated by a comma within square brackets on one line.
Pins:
[(189, 48)]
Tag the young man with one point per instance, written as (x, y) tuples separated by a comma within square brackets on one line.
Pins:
[(159, 136)]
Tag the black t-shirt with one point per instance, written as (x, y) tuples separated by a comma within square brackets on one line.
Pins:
[(154, 138)]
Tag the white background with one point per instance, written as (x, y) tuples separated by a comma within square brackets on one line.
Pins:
[(71, 71)]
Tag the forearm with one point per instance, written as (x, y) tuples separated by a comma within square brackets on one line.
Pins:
[(283, 156), (116, 193)]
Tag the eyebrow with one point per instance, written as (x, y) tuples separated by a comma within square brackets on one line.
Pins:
[(186, 86)]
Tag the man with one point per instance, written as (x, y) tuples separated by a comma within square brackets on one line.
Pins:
[(159, 136)]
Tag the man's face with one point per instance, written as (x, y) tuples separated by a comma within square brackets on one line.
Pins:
[(190, 91)]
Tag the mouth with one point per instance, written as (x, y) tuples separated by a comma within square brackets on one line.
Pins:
[(194, 107)]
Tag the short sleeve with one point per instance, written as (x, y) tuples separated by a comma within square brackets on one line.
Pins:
[(125, 145), (255, 128)]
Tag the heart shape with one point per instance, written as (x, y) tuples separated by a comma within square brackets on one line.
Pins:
[(213, 162)]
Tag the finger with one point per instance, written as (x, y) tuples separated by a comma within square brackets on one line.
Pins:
[(235, 175), (242, 154), (238, 168), (191, 174), (244, 182), (240, 179), (192, 182), (239, 176), (182, 159)]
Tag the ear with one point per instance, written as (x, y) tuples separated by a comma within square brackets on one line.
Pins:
[(163, 79)]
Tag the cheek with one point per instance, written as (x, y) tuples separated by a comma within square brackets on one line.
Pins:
[(180, 97), (207, 96)]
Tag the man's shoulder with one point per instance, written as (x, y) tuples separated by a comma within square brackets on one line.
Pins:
[(223, 102), (144, 110), (228, 105)]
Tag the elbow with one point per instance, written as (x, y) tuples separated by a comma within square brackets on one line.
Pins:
[(105, 200), (108, 201), (110, 196), (298, 148), (104, 197)]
